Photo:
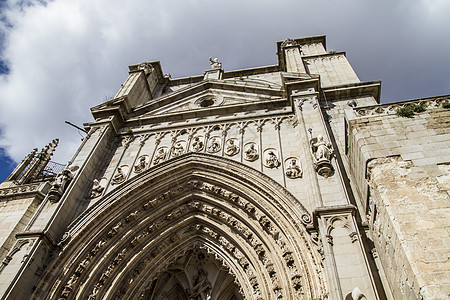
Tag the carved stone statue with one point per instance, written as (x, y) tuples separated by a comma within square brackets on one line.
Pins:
[(323, 149), (271, 160), (197, 145), (201, 289), (97, 189), (60, 184), (146, 67), (322, 152), (119, 177), (160, 156), (215, 64), (142, 164), (214, 145), (293, 170), (177, 149), (232, 148), (251, 153)]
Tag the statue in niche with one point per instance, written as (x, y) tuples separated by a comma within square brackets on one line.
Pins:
[(215, 64), (293, 170), (232, 148), (197, 145), (60, 184), (142, 164), (214, 145), (201, 289), (97, 189), (119, 177), (321, 152), (251, 153), (271, 160), (160, 156), (177, 149)]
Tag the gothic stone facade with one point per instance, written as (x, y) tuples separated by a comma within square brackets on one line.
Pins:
[(280, 182)]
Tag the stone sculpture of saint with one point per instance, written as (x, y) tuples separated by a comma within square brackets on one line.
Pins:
[(272, 160), (62, 180), (293, 170), (323, 149), (119, 177), (97, 189), (251, 153), (159, 156), (60, 184), (201, 286), (177, 150), (231, 149), (197, 145), (214, 146), (141, 165), (215, 64)]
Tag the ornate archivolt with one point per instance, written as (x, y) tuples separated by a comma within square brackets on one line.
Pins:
[(241, 220)]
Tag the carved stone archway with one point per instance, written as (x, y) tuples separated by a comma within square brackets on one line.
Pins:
[(156, 227)]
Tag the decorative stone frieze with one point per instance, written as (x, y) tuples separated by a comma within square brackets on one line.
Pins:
[(23, 190), (391, 108)]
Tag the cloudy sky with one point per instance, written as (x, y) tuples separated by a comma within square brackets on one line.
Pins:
[(59, 58)]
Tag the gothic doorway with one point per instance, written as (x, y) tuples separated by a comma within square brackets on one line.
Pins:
[(195, 227)]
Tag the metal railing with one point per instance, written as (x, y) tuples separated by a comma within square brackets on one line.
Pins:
[(52, 169)]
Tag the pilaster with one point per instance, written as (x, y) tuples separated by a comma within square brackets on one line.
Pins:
[(347, 267)]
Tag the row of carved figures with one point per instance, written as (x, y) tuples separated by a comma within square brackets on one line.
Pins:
[(320, 150), (293, 170)]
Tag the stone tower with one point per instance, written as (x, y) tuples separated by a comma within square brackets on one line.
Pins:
[(287, 181)]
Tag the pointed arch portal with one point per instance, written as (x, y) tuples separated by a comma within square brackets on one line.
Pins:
[(194, 227)]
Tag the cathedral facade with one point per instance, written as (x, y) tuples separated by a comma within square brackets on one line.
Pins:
[(287, 181)]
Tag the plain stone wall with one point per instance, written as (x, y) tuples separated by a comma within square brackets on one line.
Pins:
[(14, 216), (334, 69)]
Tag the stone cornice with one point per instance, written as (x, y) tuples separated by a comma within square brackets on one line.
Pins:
[(370, 88), (391, 108), (36, 190)]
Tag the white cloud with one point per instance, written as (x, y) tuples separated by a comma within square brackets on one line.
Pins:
[(66, 56)]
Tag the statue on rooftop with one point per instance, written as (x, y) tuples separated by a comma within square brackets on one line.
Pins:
[(215, 64)]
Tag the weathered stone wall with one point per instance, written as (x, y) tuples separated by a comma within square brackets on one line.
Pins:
[(401, 167)]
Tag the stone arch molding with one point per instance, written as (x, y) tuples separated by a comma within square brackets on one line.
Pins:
[(245, 223)]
